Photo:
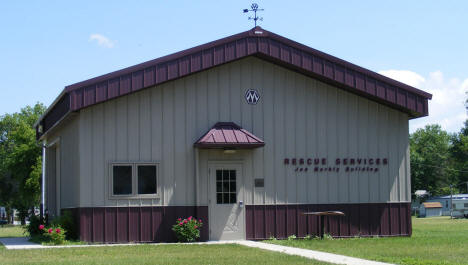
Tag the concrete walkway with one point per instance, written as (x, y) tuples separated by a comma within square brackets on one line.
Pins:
[(23, 243), (19, 243), (311, 254)]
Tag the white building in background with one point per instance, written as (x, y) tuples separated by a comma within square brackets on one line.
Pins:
[(459, 202), (430, 209)]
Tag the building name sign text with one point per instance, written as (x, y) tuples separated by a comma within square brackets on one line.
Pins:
[(345, 164)]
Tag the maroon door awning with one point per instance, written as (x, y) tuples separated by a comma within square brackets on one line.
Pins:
[(228, 135)]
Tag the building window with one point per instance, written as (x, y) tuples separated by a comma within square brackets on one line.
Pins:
[(134, 180), (122, 179), (147, 179), (466, 205)]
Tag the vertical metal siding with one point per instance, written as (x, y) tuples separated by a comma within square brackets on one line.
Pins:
[(379, 219), (297, 116), (135, 224)]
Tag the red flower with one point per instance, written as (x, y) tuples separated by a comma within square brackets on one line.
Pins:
[(41, 227), (199, 220), (185, 221), (195, 227), (50, 230), (57, 230), (179, 219), (180, 224), (190, 218)]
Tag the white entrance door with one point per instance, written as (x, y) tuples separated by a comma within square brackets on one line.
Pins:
[(226, 202)]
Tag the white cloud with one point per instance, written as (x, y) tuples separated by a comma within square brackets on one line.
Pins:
[(448, 96), (404, 76), (102, 40)]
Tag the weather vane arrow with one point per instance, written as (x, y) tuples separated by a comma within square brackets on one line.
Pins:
[(254, 8)]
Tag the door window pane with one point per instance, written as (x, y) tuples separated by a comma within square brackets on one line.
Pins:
[(226, 186), (219, 175), (225, 175), (122, 180), (232, 186), (146, 179), (225, 198), (232, 175)]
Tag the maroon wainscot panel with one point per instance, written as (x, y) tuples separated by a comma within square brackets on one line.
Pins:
[(363, 219), (135, 224)]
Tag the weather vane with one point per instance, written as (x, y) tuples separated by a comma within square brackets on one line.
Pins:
[(254, 9)]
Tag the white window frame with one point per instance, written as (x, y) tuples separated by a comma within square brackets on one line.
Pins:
[(134, 194)]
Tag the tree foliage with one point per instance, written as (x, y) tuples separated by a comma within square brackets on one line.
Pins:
[(20, 160), (459, 152), (439, 159), (430, 153)]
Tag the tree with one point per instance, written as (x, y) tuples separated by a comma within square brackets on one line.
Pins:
[(20, 156), (459, 153), (430, 153)]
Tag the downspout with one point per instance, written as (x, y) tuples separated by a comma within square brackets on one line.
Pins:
[(43, 198)]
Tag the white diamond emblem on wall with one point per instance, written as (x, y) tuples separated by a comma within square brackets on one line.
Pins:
[(252, 96)]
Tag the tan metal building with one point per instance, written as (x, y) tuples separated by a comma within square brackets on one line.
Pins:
[(246, 133)]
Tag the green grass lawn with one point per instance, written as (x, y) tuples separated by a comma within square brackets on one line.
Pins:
[(144, 254), (436, 240), (11, 231), (151, 254)]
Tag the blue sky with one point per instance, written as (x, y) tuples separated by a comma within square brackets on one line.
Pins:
[(46, 45)]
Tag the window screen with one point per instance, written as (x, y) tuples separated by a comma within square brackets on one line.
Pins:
[(226, 186), (146, 179), (122, 180)]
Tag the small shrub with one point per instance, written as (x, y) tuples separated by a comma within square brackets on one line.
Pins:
[(54, 235), (67, 222), (272, 238), (292, 237), (308, 237), (187, 230), (32, 229)]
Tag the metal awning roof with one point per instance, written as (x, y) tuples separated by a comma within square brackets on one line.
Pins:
[(229, 135)]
